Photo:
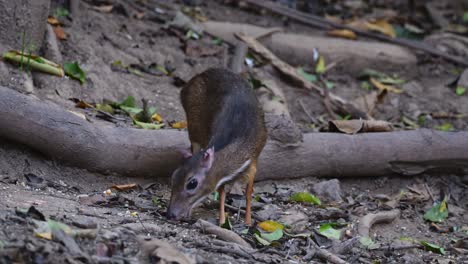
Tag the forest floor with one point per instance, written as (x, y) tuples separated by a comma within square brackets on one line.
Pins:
[(35, 188)]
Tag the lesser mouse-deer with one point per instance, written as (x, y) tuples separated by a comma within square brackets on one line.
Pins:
[(227, 133)]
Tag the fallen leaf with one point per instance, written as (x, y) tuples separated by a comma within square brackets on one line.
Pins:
[(432, 247), (309, 77), (80, 115), (330, 232), (460, 90), (382, 26), (272, 236), (382, 87), (261, 240), (320, 66), (59, 33), (342, 33), (227, 224), (445, 127), (147, 125), (103, 8), (438, 212), (53, 21), (105, 107), (270, 226), (156, 117), (179, 125), (305, 197), (75, 72), (200, 49), (124, 187), (61, 12)]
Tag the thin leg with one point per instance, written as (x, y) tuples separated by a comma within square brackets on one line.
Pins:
[(222, 199), (248, 194)]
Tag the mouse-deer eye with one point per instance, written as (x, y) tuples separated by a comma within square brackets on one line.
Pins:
[(192, 184)]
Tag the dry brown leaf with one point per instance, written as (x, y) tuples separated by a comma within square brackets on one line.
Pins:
[(83, 104), (382, 26), (124, 187), (156, 117), (103, 8), (342, 33), (382, 87), (53, 21), (179, 125), (335, 19), (59, 33)]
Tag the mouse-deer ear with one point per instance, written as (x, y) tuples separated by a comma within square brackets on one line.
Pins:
[(186, 153), (208, 157)]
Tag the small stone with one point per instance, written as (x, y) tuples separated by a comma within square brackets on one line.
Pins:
[(329, 191), (269, 211), (84, 223)]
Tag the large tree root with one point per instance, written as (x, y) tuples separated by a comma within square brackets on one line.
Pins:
[(66, 137)]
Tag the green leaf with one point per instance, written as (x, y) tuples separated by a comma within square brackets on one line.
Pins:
[(432, 247), (129, 102), (216, 196), (273, 236), (460, 90), (329, 85), (217, 41), (61, 12), (445, 127), (305, 197), (465, 17), (227, 224), (320, 67), (438, 212), (366, 85), (156, 201), (131, 110), (148, 125), (330, 232), (192, 35), (105, 107), (368, 243), (306, 75), (261, 240), (75, 72)]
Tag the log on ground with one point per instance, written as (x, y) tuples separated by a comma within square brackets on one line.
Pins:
[(63, 136)]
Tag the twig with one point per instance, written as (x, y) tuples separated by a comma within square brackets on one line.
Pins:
[(325, 254), (221, 233), (400, 247), (222, 249), (338, 103), (429, 192), (312, 119), (319, 22), (366, 222)]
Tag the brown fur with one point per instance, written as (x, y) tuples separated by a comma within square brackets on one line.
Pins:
[(222, 112)]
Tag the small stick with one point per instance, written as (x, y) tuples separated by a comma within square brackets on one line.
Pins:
[(366, 222), (221, 233), (429, 192), (242, 211), (325, 254), (312, 119)]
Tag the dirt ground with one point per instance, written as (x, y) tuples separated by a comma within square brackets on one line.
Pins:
[(75, 197)]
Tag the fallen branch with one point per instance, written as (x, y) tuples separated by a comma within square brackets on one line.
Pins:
[(367, 221), (337, 102), (65, 137), (320, 22), (221, 233), (296, 49)]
